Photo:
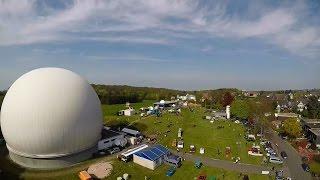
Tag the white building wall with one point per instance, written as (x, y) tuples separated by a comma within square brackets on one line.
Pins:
[(228, 112), (128, 112), (109, 142), (144, 162)]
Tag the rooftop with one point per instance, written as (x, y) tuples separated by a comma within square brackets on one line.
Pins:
[(153, 153), (106, 133), (166, 102), (306, 120), (315, 131)]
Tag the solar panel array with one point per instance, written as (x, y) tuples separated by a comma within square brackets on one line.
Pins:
[(153, 153)]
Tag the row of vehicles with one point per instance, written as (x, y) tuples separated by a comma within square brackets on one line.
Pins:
[(272, 154)]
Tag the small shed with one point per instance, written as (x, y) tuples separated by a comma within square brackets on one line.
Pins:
[(129, 112)]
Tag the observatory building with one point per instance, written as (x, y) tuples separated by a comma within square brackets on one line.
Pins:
[(51, 118)]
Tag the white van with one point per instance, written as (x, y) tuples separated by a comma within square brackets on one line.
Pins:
[(275, 160)]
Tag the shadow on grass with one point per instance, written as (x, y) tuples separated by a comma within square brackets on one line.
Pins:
[(8, 170), (139, 126), (118, 124)]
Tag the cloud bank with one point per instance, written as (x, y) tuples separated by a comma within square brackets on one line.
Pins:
[(164, 22)]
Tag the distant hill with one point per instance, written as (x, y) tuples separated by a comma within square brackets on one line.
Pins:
[(118, 94)]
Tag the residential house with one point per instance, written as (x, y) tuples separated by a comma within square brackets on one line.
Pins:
[(252, 94), (301, 106)]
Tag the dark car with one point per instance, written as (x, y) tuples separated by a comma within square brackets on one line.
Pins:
[(283, 154), (171, 171), (305, 167)]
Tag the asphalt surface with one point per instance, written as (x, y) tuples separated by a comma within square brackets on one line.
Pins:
[(228, 165), (293, 162)]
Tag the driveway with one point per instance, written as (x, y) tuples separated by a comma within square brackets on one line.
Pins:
[(228, 165), (293, 162)]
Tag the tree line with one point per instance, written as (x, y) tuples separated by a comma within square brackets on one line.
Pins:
[(119, 94)]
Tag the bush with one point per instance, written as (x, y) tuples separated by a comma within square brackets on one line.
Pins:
[(316, 158)]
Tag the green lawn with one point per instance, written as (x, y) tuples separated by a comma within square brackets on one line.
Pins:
[(186, 171), (111, 110), (315, 167), (197, 131)]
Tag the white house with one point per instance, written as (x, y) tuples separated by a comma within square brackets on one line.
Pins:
[(301, 107), (187, 97), (290, 95), (126, 112), (191, 97)]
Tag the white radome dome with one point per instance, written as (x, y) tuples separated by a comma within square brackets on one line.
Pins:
[(50, 112)]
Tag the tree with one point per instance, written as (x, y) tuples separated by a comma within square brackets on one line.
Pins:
[(313, 107), (240, 109), (292, 127), (227, 99)]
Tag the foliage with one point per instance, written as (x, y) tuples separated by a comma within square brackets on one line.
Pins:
[(313, 108), (227, 99), (114, 94), (292, 127), (240, 109)]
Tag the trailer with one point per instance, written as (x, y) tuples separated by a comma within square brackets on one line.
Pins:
[(131, 132), (128, 155)]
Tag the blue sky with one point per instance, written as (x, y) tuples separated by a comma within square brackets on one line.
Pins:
[(190, 44)]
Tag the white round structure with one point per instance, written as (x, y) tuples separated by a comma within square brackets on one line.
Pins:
[(51, 118)]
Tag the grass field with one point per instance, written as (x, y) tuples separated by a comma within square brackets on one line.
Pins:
[(111, 110), (315, 167), (186, 171), (197, 131)]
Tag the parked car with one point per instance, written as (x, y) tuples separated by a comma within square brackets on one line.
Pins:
[(271, 152), (268, 149), (268, 144), (171, 171), (192, 149), (275, 160), (283, 154), (180, 144), (198, 164), (113, 150), (279, 175), (305, 167)]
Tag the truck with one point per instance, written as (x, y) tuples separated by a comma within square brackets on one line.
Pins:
[(128, 155)]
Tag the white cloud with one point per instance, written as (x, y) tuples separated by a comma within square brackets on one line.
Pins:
[(131, 57), (155, 22)]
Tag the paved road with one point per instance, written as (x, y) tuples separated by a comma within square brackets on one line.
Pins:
[(228, 165), (293, 162)]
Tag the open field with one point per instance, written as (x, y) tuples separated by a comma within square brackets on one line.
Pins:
[(186, 171), (197, 131), (111, 110)]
